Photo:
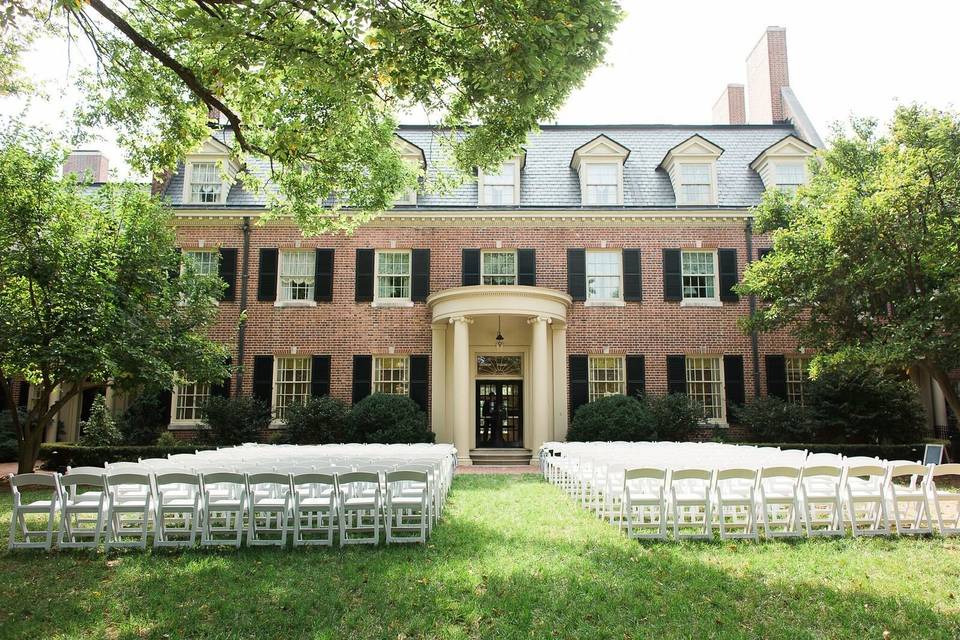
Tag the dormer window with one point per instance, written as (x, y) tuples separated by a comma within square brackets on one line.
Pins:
[(209, 172), (412, 155), (500, 189), (692, 167), (205, 183), (783, 165), (599, 164)]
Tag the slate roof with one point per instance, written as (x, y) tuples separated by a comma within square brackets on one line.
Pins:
[(548, 182)]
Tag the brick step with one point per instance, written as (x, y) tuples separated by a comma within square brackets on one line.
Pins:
[(501, 457)]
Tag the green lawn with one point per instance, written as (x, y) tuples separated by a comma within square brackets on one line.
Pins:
[(512, 558)]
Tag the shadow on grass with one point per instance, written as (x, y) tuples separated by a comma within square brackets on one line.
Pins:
[(512, 559)]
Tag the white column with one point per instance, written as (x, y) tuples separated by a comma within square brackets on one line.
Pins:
[(559, 432), (461, 387), (939, 404), (540, 374), (438, 384)]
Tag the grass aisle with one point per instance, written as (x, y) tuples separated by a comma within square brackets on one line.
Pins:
[(512, 558)]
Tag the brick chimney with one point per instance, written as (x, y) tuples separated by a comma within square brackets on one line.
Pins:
[(767, 75), (88, 164), (730, 108)]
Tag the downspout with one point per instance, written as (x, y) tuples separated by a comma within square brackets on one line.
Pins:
[(752, 300), (242, 322)]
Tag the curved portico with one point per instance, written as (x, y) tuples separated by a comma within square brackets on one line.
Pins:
[(517, 384)]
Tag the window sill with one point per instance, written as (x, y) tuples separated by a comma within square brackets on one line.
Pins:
[(185, 425), (277, 424), (391, 304), (700, 302), (604, 303), (295, 303)]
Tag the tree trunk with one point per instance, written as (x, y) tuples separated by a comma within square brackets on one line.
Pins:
[(29, 448)]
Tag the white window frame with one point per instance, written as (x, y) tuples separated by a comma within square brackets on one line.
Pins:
[(598, 300), (698, 301), (720, 385), (621, 370), (586, 184), (789, 187), (282, 299), (221, 183), (711, 199), (482, 178), (175, 395), (484, 275), (188, 254), (279, 408), (796, 388), (377, 383), (379, 301)]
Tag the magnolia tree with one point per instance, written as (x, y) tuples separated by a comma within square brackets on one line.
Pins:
[(866, 259), (312, 86), (88, 290)]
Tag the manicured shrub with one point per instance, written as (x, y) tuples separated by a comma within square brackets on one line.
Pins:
[(232, 421), (772, 419), (675, 416), (616, 417), (388, 418), (320, 420), (8, 436), (146, 418), (58, 455), (101, 429), (167, 439)]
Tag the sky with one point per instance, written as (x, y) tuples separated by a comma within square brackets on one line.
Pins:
[(668, 62)]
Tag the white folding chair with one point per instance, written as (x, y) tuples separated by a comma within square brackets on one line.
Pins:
[(866, 502), (268, 496), (178, 512), (736, 503), (780, 502), (33, 538), (359, 507), (910, 501), (822, 504), (644, 504), (314, 508), (948, 521), (408, 505), (77, 513), (224, 500), (691, 503), (129, 510)]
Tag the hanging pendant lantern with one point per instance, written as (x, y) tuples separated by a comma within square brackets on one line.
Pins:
[(499, 337)]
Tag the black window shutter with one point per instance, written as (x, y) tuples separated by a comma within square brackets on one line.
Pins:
[(672, 275), (323, 276), (420, 274), (267, 283), (733, 379), (636, 376), (362, 377), (222, 388), (228, 273), (364, 275), (165, 398), (577, 274), (763, 252), (776, 367), (632, 281), (579, 383), (470, 268), (727, 259), (676, 374), (527, 267), (263, 378), (419, 372), (24, 394), (174, 271), (320, 376)]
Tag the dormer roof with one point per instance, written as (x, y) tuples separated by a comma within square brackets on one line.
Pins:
[(410, 150), (600, 147), (696, 146), (785, 147)]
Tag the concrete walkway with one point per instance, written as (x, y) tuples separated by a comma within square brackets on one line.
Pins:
[(480, 469)]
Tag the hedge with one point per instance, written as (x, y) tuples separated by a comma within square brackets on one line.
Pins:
[(882, 451), (59, 456)]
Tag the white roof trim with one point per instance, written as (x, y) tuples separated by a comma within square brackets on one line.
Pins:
[(600, 147)]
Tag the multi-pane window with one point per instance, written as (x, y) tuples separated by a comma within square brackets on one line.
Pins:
[(291, 384), (204, 263), (190, 399), (789, 176), (603, 275), (391, 374), (696, 183), (602, 183), (297, 275), (499, 267), (798, 374), (393, 275), (606, 376), (705, 384), (699, 274), (205, 183), (499, 188)]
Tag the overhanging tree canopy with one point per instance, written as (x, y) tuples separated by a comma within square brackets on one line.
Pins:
[(866, 259), (313, 86)]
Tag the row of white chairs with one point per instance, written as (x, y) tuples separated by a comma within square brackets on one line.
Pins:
[(122, 508)]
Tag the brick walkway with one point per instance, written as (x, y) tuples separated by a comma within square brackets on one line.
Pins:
[(471, 469)]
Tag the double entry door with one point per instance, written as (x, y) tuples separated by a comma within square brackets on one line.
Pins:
[(499, 413)]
